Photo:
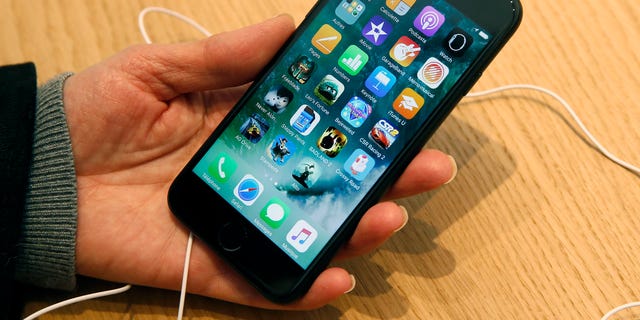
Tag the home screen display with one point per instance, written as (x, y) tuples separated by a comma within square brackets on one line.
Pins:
[(334, 112)]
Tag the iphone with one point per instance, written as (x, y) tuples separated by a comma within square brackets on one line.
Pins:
[(328, 126)]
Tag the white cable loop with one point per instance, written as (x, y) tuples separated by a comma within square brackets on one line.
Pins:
[(145, 35), (187, 20), (619, 309), (78, 299), (573, 114)]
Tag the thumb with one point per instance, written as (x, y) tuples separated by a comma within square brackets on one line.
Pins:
[(224, 60)]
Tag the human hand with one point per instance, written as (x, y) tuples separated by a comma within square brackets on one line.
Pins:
[(136, 119)]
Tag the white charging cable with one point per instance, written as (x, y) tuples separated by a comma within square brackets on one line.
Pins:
[(185, 275), (573, 114), (147, 39), (187, 20), (76, 300), (187, 258), (183, 290)]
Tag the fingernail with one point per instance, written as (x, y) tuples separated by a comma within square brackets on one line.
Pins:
[(454, 172), (405, 214), (353, 284)]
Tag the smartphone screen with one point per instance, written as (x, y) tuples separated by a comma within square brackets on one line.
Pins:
[(334, 112), (352, 95)]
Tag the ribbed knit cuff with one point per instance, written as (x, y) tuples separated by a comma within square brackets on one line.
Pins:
[(47, 247)]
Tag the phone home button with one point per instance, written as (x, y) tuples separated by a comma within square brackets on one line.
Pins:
[(231, 236)]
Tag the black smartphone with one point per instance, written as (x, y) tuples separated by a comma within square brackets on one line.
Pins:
[(327, 127)]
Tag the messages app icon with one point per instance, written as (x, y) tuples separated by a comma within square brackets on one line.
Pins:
[(274, 213)]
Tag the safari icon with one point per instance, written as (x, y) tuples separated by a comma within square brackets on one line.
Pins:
[(274, 213)]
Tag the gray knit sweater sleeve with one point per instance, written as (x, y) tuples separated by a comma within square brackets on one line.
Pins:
[(47, 247)]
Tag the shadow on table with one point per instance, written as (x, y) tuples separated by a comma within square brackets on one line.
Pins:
[(483, 165)]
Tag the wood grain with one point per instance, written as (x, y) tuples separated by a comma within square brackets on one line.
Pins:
[(538, 225)]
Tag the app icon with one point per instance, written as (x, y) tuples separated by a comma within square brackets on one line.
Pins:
[(222, 167), (359, 165), (305, 120), (384, 134), (301, 236), (331, 142), (380, 81), (302, 69), (254, 128), (350, 10), (405, 51), (326, 39), (377, 30), (356, 112), (433, 73), (353, 60), (400, 7), (281, 150), (307, 172), (408, 103), (457, 42), (274, 213), (278, 98), (329, 89), (248, 190), (429, 21)]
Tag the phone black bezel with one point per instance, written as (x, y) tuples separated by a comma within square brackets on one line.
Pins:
[(261, 262)]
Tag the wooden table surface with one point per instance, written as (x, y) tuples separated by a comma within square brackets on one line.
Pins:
[(538, 224)]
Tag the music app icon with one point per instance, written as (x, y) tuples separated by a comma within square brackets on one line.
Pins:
[(302, 236)]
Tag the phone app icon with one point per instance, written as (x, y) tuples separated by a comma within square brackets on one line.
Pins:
[(329, 90), (400, 7), (350, 10), (302, 69), (433, 73), (380, 81), (377, 30), (305, 120), (405, 51), (408, 103), (274, 213), (359, 165), (281, 150), (332, 141), (356, 112), (353, 60), (429, 21), (307, 172), (222, 167), (254, 128), (384, 134), (326, 39), (457, 42), (278, 98), (302, 236), (248, 190)]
